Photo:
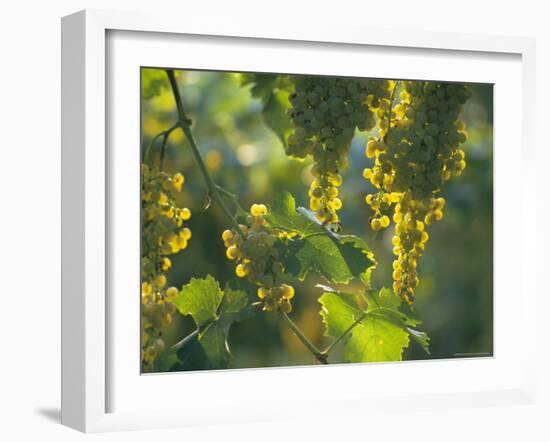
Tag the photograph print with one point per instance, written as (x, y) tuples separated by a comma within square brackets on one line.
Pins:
[(295, 220)]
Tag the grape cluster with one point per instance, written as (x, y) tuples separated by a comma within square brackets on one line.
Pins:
[(325, 113), (257, 259), (417, 151), (163, 234)]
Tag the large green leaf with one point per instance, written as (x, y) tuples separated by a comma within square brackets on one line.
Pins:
[(273, 91), (214, 311), (381, 330), (338, 258)]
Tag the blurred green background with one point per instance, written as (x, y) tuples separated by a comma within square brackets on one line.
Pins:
[(455, 296)]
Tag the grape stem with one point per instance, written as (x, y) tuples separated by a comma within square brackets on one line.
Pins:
[(164, 134), (320, 356), (312, 235), (233, 198), (185, 123), (163, 146)]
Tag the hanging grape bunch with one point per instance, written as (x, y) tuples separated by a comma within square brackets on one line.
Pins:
[(257, 261), (163, 234), (416, 153), (325, 113)]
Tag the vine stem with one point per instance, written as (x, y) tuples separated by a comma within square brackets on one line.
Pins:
[(163, 146), (185, 340), (185, 123), (233, 199), (164, 134), (320, 356)]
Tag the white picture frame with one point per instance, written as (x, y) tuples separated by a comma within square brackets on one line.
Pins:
[(86, 315)]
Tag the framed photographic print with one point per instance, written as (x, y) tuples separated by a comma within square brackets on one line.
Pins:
[(260, 209)]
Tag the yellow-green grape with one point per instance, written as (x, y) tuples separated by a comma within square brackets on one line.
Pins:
[(258, 210), (177, 182), (416, 152), (185, 234), (165, 263), (160, 281), (325, 113), (171, 293), (232, 252), (185, 214), (162, 233), (227, 235), (240, 270), (257, 259)]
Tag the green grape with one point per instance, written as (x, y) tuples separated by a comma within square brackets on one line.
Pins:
[(416, 153), (325, 113)]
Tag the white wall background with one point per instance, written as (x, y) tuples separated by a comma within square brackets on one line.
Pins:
[(30, 214)]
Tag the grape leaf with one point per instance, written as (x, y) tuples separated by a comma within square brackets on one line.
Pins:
[(382, 332), (421, 338), (338, 258), (262, 85), (214, 311), (152, 82), (273, 91), (200, 299), (283, 215)]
